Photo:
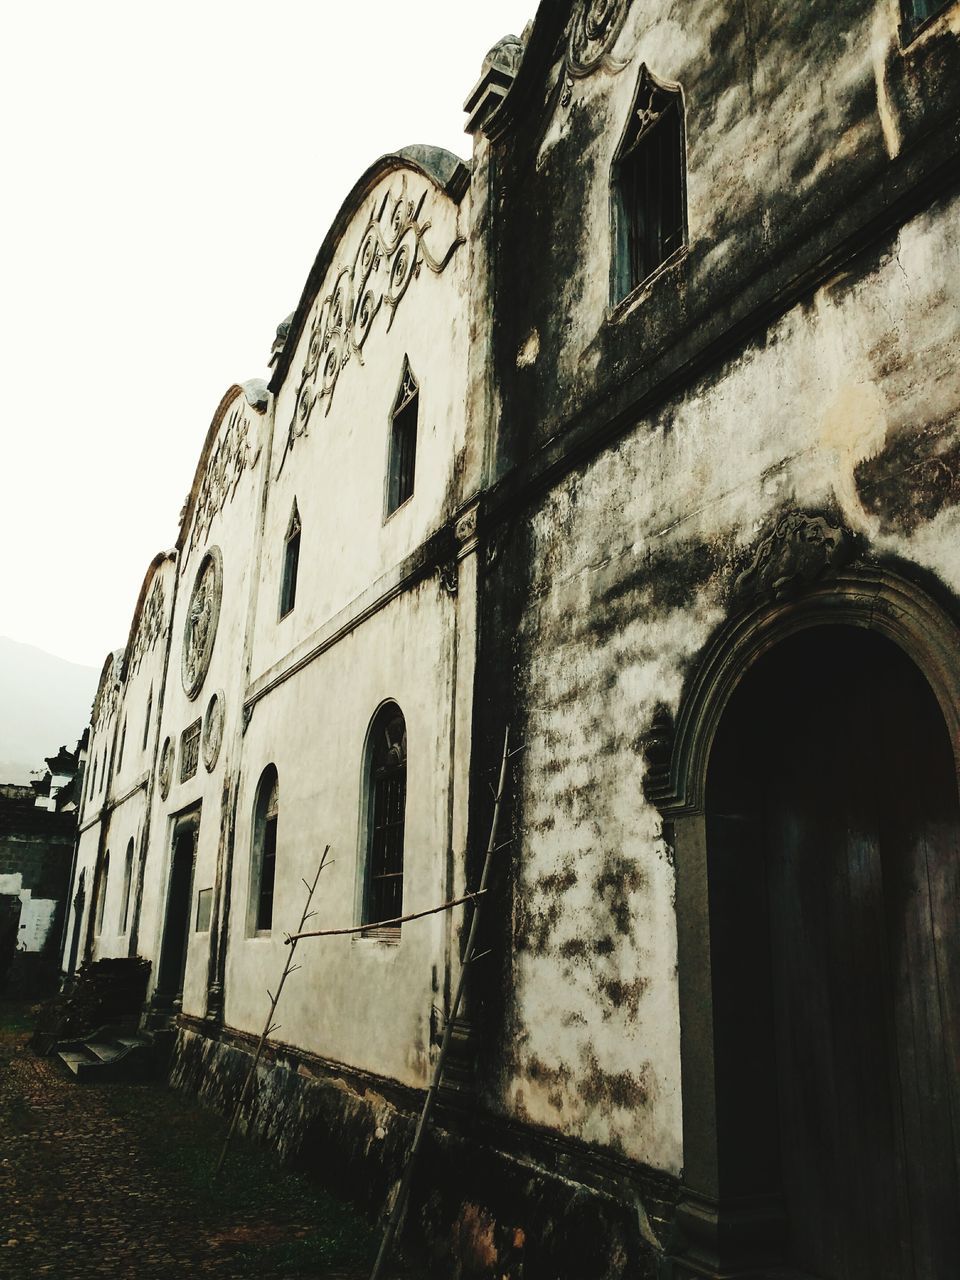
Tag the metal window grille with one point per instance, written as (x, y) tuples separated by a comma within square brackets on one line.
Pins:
[(651, 197), (403, 441), (387, 806), (916, 12), (189, 750), (268, 871)]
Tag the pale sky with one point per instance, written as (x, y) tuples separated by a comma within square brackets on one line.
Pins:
[(169, 172)]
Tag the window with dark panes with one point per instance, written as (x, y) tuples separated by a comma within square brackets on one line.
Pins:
[(264, 862), (916, 12), (127, 885), (102, 899), (146, 723), (291, 564), (649, 181), (403, 440), (386, 806)]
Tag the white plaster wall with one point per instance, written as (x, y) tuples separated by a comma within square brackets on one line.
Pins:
[(36, 914), (337, 470), (233, 528), (358, 1001), (125, 823), (792, 421)]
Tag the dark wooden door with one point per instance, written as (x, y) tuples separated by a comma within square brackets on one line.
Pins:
[(173, 954), (858, 812)]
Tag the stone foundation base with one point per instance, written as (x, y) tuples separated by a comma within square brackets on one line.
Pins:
[(491, 1198)]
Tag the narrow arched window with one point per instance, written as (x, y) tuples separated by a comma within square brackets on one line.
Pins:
[(648, 185), (386, 800), (102, 899), (127, 884), (403, 440), (123, 743), (146, 723), (291, 563), (264, 859)]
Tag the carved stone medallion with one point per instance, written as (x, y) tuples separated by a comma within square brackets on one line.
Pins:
[(166, 768), (213, 730), (200, 628), (596, 25), (800, 549)]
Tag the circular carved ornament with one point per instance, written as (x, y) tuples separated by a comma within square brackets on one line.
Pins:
[(213, 730), (200, 628), (596, 25), (166, 768)]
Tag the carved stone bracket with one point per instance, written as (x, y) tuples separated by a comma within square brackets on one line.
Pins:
[(465, 532), (448, 576), (800, 549), (391, 255)]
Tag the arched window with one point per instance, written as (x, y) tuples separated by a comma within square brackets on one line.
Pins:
[(648, 185), (403, 440), (385, 778), (264, 853), (102, 899), (123, 743), (127, 884), (146, 723), (291, 563)]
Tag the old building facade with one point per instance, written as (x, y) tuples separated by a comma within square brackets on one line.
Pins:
[(640, 433)]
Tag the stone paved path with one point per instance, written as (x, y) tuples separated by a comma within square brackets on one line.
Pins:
[(83, 1192)]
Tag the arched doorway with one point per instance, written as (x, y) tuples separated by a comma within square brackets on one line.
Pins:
[(832, 821)]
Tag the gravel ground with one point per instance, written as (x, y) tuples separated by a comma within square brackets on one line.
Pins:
[(114, 1181)]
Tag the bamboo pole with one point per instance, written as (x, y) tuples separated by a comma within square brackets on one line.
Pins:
[(294, 938), (288, 968), (394, 1222)]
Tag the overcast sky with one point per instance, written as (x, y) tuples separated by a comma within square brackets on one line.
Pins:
[(169, 172)]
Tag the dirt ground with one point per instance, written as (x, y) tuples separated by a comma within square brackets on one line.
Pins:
[(115, 1181)]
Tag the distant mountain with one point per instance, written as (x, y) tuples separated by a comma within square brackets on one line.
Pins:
[(44, 703)]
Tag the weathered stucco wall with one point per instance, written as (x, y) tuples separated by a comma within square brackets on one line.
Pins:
[(849, 404)]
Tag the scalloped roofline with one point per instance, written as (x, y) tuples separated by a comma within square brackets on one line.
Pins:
[(448, 174)]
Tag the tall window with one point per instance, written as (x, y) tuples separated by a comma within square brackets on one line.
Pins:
[(146, 723), (127, 883), (264, 859), (648, 193), (386, 799), (123, 743), (291, 563), (102, 899), (403, 440), (916, 12)]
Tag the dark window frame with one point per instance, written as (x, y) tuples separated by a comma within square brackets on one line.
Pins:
[(102, 899), (913, 21), (263, 866), (291, 563), (127, 885), (385, 802), (146, 725), (402, 446), (648, 188)]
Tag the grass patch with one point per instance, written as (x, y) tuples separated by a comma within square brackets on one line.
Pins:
[(16, 1017)]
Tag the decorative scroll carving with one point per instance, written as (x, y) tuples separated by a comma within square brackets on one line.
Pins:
[(466, 526), (593, 30), (200, 628), (234, 452), (166, 768), (800, 549), (448, 577), (151, 625), (213, 730), (391, 255)]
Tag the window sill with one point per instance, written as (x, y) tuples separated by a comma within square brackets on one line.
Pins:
[(638, 295), (391, 937), (388, 516)]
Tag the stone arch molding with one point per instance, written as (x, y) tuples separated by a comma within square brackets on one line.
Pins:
[(806, 572)]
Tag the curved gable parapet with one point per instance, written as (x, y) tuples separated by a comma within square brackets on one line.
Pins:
[(230, 448), (149, 616), (447, 177), (108, 690)]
